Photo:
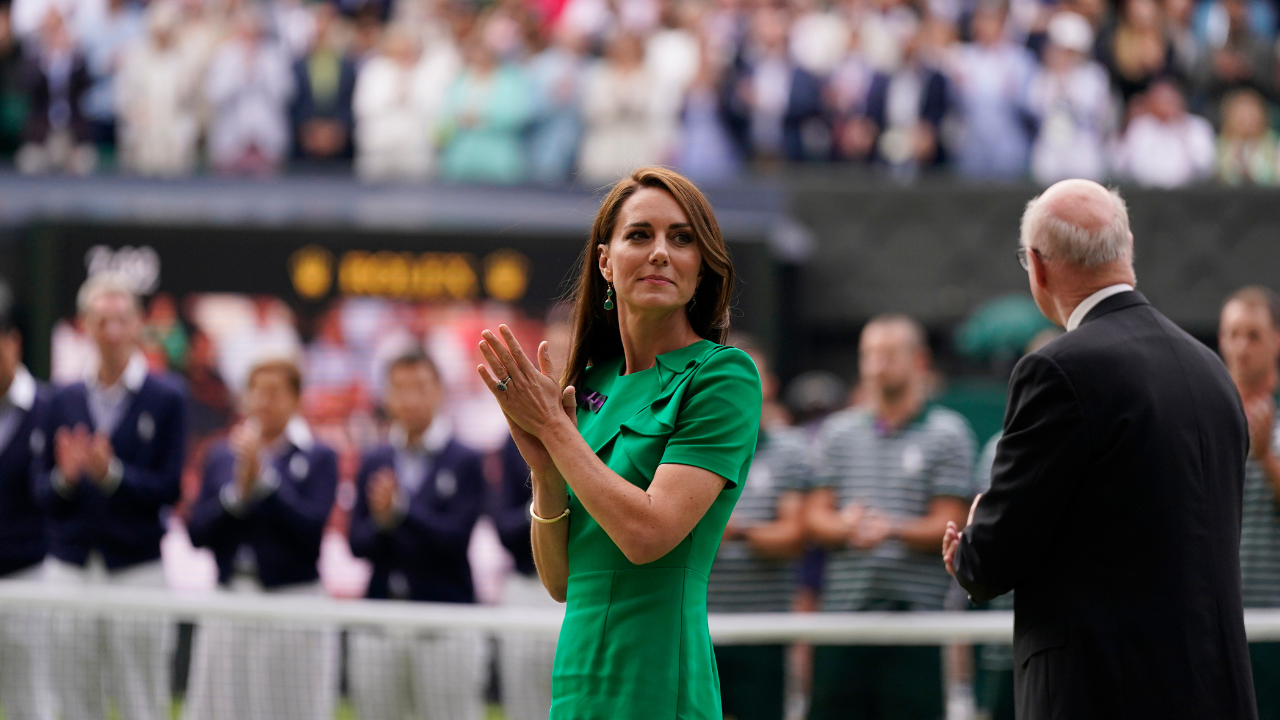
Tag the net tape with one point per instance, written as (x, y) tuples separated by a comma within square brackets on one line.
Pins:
[(865, 628)]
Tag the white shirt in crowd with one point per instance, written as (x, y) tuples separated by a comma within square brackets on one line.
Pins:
[(1166, 155), (1076, 115)]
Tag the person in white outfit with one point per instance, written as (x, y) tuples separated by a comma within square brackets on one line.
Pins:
[(1166, 146), (397, 98), (249, 86), (621, 111), (156, 100), (1071, 97)]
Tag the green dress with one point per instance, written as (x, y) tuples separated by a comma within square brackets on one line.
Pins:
[(634, 643)]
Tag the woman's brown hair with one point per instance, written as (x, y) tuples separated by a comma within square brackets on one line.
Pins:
[(596, 337)]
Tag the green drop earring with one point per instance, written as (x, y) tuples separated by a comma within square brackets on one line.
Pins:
[(608, 298)]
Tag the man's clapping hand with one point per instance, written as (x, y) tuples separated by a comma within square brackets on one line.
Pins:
[(1261, 416), (79, 453), (868, 526), (381, 493), (245, 441), (951, 540)]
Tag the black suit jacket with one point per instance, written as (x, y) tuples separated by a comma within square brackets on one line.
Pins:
[(1114, 510)]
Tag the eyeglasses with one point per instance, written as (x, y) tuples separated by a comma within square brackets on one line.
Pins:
[(1022, 257)]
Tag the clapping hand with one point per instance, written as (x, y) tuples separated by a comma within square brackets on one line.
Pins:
[(951, 540), (1261, 415), (381, 494), (531, 400), (246, 443), (868, 527), (71, 453)]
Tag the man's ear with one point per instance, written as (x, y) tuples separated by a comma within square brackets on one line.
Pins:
[(1039, 269)]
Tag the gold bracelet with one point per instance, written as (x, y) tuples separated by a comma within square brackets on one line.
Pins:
[(547, 521)]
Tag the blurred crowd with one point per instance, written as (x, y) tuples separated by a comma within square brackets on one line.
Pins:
[(1158, 92)]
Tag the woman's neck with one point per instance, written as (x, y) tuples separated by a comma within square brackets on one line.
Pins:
[(645, 336)]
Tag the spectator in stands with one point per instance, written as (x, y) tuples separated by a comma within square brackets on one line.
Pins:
[(705, 151), (1187, 48), (24, 674), (12, 100), (157, 100), (325, 78), (889, 477), (754, 569), (904, 113), (265, 496), (394, 113), (1136, 49), (55, 78), (1239, 59), (991, 75), (1070, 96), (417, 500), (29, 16), (1249, 339), (105, 45), (620, 112), (249, 85), (486, 110), (1247, 145), (773, 103), (673, 57), (1166, 146), (557, 73), (111, 467)]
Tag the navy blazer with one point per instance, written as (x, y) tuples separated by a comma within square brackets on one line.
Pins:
[(150, 441), (284, 528), (510, 509), (804, 106), (22, 532), (934, 103), (429, 546), (306, 107)]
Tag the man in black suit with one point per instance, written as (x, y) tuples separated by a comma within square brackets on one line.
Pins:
[(1114, 507)]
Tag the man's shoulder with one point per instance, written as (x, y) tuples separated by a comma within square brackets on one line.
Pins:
[(945, 421), (163, 387), (845, 421)]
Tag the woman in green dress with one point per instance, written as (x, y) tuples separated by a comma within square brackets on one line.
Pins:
[(637, 454)]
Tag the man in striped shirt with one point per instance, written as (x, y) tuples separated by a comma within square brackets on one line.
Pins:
[(890, 475), (1249, 339), (755, 568)]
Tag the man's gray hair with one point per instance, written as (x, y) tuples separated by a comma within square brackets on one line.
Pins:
[(105, 283), (1060, 240)]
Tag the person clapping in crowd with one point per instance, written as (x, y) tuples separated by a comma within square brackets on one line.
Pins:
[(265, 497), (1249, 340), (55, 78), (24, 681), (889, 477), (110, 468), (417, 500)]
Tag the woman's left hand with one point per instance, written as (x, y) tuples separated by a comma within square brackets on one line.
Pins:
[(532, 398)]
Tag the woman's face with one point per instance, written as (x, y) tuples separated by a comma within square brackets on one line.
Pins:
[(652, 259)]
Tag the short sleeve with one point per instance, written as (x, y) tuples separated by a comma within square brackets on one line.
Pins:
[(952, 463), (720, 417), (790, 461)]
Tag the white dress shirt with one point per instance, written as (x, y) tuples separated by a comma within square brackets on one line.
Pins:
[(108, 404), (1089, 303)]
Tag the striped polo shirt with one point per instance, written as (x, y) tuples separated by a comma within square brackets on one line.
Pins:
[(898, 473), (740, 580), (1260, 535)]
